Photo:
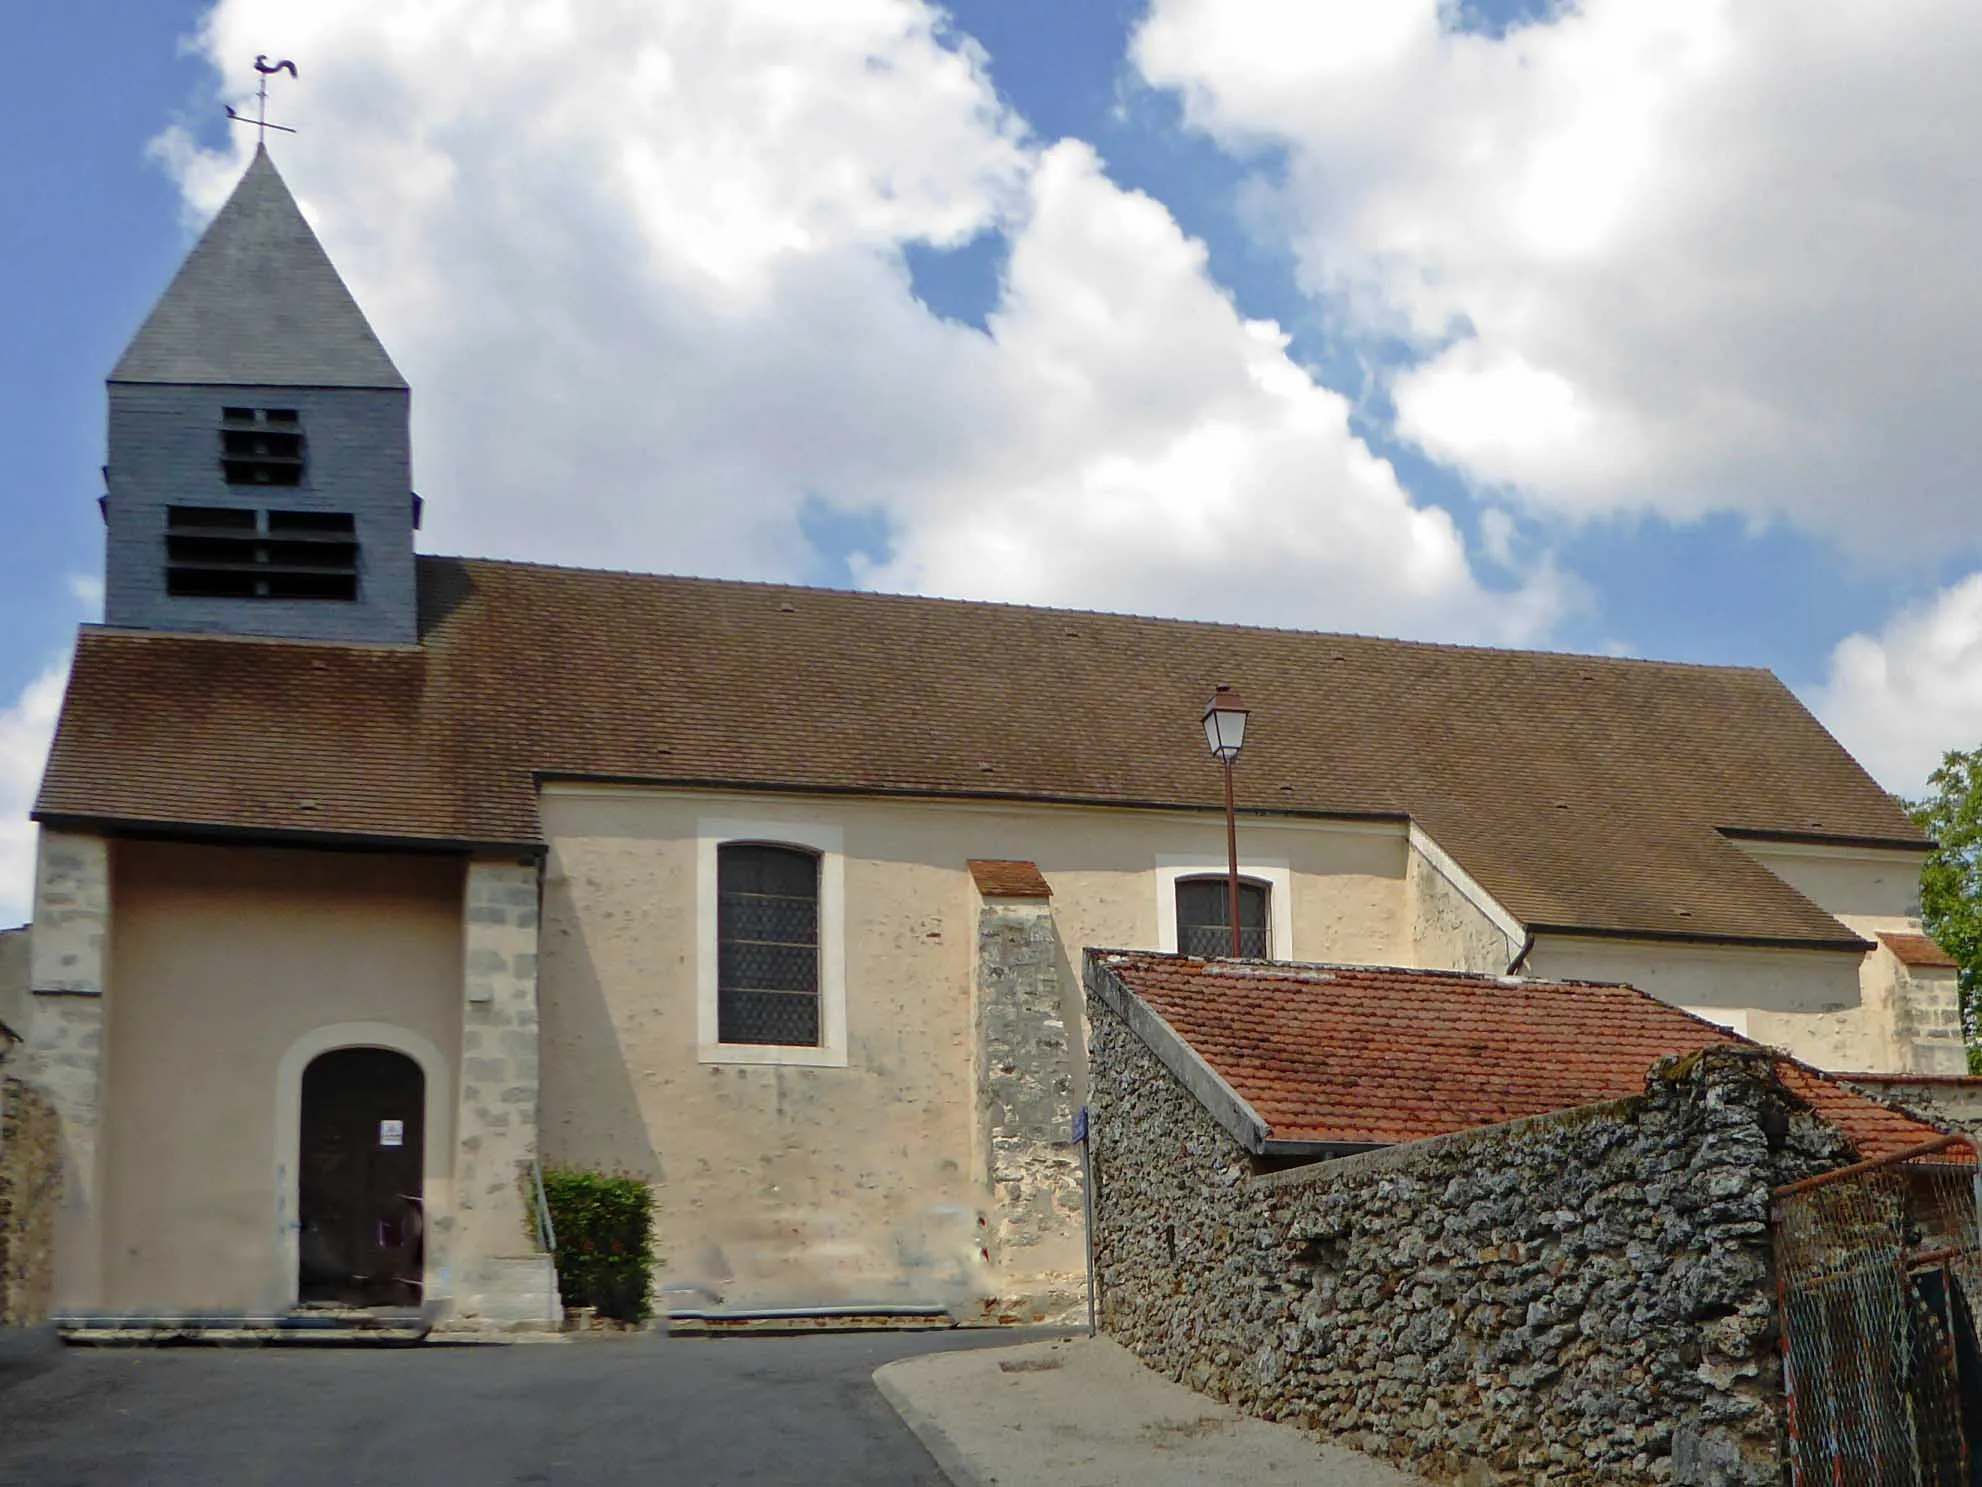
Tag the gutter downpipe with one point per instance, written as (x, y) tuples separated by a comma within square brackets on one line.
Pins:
[(1521, 957)]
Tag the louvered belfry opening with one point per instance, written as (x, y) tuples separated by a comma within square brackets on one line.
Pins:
[(1204, 917), (220, 552), (767, 944), (261, 446)]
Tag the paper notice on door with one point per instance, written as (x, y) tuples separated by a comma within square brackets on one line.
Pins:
[(392, 1133)]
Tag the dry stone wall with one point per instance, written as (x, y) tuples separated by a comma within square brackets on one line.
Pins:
[(30, 1158), (1576, 1299), (16, 981)]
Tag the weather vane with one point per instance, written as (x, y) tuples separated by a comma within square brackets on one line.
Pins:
[(267, 69)]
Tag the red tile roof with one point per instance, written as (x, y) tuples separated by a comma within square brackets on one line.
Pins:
[(1581, 792), (1357, 1054), (1921, 951), (1001, 879)]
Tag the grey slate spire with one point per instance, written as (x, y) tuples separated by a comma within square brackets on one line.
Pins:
[(260, 463), (258, 303)]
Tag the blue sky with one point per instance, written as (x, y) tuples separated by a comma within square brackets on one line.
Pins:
[(90, 237), (98, 232), (1592, 442)]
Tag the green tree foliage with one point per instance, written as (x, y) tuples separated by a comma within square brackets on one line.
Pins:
[(1951, 882), (605, 1240)]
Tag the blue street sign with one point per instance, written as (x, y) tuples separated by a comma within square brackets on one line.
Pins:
[(1080, 1125)]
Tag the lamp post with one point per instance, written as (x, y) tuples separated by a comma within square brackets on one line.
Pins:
[(1225, 731)]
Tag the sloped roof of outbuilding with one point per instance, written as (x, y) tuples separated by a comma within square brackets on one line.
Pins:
[(1583, 793), (1359, 1055), (1920, 952)]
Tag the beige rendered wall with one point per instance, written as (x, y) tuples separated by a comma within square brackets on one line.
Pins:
[(778, 1183), (1944, 1100), (1805, 1001), (223, 960), (1861, 882), (1453, 923), (1907, 1021)]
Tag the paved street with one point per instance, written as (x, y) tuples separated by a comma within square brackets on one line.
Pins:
[(798, 1410)]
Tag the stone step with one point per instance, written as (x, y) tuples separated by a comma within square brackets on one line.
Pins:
[(740, 1321), (314, 1325)]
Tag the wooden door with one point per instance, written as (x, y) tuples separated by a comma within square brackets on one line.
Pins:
[(359, 1178)]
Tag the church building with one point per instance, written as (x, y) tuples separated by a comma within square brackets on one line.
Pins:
[(371, 883)]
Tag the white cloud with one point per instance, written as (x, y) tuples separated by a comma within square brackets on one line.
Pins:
[(87, 590), (1689, 256), (26, 727), (1162, 452), (643, 264), (1902, 698)]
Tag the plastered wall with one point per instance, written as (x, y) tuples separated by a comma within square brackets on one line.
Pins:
[(221, 960), (1806, 1001), (1449, 927), (1907, 1020), (789, 1184)]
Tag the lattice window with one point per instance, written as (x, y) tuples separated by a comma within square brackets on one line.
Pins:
[(217, 552), (1204, 920), (767, 944)]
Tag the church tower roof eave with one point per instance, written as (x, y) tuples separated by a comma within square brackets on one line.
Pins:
[(258, 303)]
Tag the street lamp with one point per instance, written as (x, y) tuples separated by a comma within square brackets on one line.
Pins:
[(1225, 731)]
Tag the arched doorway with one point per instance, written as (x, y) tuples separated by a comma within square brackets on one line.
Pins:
[(359, 1167)]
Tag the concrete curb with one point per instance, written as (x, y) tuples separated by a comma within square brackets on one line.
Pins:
[(935, 1440)]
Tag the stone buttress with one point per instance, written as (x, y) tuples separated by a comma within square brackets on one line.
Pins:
[(503, 1276), (1025, 1098), (64, 1053)]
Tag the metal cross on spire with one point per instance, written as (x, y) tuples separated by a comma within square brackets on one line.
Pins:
[(267, 69)]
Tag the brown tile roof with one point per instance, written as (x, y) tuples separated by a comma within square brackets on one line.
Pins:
[(1581, 792), (995, 879), (1921, 951), (1355, 1054)]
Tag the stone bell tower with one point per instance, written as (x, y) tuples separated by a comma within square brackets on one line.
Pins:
[(259, 475)]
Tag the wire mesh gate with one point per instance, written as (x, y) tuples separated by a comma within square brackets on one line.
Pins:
[(1877, 1265)]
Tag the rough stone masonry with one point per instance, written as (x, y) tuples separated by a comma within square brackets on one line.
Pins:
[(1025, 1096), (1577, 1298), (30, 1168), (504, 1278)]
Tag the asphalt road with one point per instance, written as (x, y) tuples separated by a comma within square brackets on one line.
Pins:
[(797, 1410)]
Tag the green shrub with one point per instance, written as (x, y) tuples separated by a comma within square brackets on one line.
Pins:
[(605, 1240)]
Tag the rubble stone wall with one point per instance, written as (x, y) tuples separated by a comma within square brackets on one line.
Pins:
[(30, 1167), (16, 986), (1573, 1299)]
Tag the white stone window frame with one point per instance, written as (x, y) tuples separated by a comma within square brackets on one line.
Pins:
[(1274, 872), (826, 842)]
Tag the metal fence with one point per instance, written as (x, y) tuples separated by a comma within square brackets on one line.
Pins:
[(1877, 1265)]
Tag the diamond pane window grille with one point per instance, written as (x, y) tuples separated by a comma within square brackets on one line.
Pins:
[(767, 945), (1204, 924)]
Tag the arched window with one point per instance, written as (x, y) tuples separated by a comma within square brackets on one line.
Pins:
[(767, 944), (1204, 924)]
